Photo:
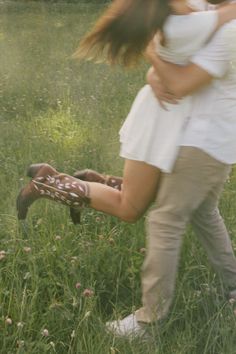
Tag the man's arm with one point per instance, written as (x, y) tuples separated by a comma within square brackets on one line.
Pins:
[(179, 80), (212, 61)]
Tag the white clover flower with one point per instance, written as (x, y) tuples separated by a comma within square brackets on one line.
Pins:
[(20, 324), (45, 332), (8, 321), (20, 343), (27, 249), (52, 345)]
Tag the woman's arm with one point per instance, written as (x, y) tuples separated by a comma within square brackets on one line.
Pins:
[(183, 80), (161, 92)]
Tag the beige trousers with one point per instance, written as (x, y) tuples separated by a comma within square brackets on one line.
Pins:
[(189, 194)]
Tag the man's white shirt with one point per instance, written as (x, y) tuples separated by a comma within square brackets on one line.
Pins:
[(212, 125)]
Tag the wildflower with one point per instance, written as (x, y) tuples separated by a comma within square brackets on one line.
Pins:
[(88, 293), (20, 343), (111, 240), (8, 321), (198, 293), (45, 332), (39, 221), (58, 238), (73, 260), (52, 345), (142, 250), (2, 255), (78, 285), (20, 324), (27, 249)]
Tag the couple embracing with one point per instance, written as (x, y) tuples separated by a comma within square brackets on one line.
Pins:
[(178, 141)]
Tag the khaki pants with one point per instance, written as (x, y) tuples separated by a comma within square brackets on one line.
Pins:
[(189, 194)]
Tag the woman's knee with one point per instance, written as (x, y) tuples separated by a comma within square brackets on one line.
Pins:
[(130, 215), (128, 212)]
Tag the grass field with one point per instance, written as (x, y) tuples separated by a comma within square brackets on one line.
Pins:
[(68, 114)]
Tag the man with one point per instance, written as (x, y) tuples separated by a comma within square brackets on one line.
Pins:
[(191, 192)]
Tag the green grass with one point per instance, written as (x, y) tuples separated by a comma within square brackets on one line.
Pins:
[(67, 113)]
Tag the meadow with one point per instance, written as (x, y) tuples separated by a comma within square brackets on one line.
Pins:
[(59, 283)]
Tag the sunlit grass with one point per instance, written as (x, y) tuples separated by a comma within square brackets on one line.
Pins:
[(68, 114)]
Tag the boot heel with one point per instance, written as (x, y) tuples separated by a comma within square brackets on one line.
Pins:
[(75, 216), (34, 169)]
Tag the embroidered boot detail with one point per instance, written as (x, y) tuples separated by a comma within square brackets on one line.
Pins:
[(94, 176)]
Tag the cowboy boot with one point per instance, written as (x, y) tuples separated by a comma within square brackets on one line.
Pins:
[(75, 214), (94, 176), (25, 197), (48, 183)]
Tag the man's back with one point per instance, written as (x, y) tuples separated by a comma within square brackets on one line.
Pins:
[(212, 125)]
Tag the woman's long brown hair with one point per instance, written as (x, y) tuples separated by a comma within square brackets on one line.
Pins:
[(123, 32)]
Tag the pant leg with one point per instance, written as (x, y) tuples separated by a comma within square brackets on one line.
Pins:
[(211, 231), (180, 193)]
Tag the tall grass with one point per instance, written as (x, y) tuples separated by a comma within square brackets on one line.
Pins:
[(68, 114)]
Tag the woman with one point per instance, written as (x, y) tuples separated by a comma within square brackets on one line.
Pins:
[(122, 35)]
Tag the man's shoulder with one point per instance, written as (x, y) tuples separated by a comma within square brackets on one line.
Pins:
[(225, 34), (228, 26), (228, 34)]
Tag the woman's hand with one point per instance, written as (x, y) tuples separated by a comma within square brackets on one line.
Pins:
[(159, 89), (151, 50)]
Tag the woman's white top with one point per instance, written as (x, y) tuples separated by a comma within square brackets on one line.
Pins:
[(150, 133)]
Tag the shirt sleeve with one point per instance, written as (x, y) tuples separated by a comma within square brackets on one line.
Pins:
[(215, 56), (196, 26)]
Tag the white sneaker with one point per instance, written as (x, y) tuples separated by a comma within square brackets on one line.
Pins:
[(128, 327)]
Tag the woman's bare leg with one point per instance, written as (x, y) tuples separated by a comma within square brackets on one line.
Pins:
[(139, 188)]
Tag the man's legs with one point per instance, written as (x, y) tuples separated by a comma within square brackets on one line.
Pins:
[(196, 174), (210, 229)]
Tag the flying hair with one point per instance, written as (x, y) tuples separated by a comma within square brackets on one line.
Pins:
[(123, 32)]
